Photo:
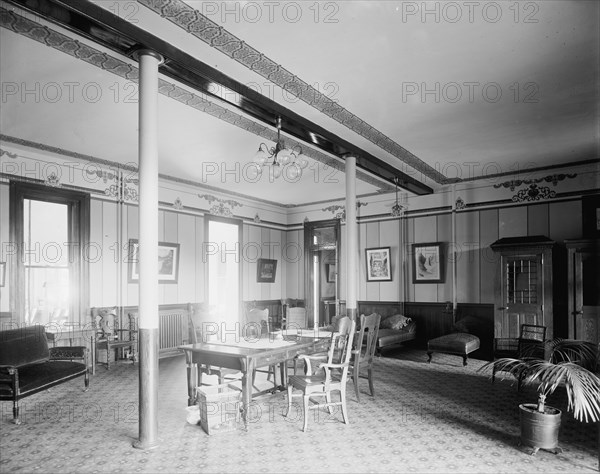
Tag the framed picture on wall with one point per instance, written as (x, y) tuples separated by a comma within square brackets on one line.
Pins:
[(428, 263), (168, 262), (330, 272), (266, 270), (379, 266)]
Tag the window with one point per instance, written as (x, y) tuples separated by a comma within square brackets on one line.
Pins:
[(50, 227)]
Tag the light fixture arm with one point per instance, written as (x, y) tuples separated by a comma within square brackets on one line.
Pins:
[(278, 155)]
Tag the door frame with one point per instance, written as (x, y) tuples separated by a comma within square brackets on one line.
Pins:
[(309, 251)]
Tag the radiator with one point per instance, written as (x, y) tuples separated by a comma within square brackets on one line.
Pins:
[(172, 332)]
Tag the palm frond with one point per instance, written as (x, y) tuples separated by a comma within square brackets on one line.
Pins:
[(567, 362)]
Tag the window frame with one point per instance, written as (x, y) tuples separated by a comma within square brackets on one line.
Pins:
[(79, 231)]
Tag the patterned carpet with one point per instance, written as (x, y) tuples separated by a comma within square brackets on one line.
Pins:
[(438, 417)]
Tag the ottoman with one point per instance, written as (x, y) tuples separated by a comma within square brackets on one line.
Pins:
[(458, 343)]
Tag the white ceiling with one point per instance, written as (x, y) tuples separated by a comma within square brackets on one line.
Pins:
[(374, 58)]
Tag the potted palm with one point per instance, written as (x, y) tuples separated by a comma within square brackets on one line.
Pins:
[(571, 364)]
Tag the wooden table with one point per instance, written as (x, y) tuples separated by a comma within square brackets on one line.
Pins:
[(245, 356)]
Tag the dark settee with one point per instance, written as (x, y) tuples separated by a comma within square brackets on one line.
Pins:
[(389, 338), (28, 365)]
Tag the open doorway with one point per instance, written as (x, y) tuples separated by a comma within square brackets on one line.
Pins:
[(222, 246), (322, 264)]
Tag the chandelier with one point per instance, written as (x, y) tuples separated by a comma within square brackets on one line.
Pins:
[(279, 159), (398, 209)]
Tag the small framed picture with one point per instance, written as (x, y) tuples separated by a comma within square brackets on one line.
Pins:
[(266, 270), (428, 263), (378, 264), (330, 272), (168, 262)]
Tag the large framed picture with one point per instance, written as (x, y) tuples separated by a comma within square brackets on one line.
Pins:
[(428, 263), (266, 270), (168, 262), (379, 266)]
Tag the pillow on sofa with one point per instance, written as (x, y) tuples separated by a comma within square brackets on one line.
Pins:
[(397, 321)]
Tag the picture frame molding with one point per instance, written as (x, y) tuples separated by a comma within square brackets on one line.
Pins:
[(434, 248), (388, 266), (133, 264)]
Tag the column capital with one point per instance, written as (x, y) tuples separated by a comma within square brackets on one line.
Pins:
[(148, 52)]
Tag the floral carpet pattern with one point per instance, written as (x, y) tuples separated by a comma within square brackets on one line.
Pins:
[(439, 417)]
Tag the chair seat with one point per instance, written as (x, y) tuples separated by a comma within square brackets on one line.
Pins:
[(115, 344)]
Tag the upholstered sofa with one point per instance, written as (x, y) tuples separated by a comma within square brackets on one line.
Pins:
[(28, 365), (391, 335), (390, 338)]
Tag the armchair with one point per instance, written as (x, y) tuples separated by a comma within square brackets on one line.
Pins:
[(332, 377), (110, 335), (530, 343)]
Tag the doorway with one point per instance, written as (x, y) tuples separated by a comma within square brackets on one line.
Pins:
[(222, 247), (322, 264), (584, 290)]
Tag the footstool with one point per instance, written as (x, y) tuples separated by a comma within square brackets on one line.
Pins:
[(459, 343)]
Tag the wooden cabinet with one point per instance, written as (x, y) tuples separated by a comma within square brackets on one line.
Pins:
[(530, 286), (584, 289)]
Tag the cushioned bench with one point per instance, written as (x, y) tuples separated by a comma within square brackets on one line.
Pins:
[(458, 343), (28, 365)]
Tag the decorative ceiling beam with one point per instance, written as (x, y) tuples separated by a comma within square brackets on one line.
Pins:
[(111, 31)]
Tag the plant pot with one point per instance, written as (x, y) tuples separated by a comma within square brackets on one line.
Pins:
[(540, 430)]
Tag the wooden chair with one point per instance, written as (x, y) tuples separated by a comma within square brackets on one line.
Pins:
[(331, 376), (257, 324), (364, 353), (200, 315), (110, 336), (530, 343), (286, 304), (296, 319)]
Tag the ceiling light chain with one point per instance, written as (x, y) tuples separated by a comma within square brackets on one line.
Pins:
[(280, 159)]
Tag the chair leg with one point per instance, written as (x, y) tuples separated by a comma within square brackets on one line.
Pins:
[(344, 408), (328, 400), (370, 372), (289, 395), (306, 397)]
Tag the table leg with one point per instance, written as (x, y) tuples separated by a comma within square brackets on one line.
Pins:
[(246, 392), (283, 373)]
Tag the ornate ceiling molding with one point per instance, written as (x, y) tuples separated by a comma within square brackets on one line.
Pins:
[(192, 21)]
